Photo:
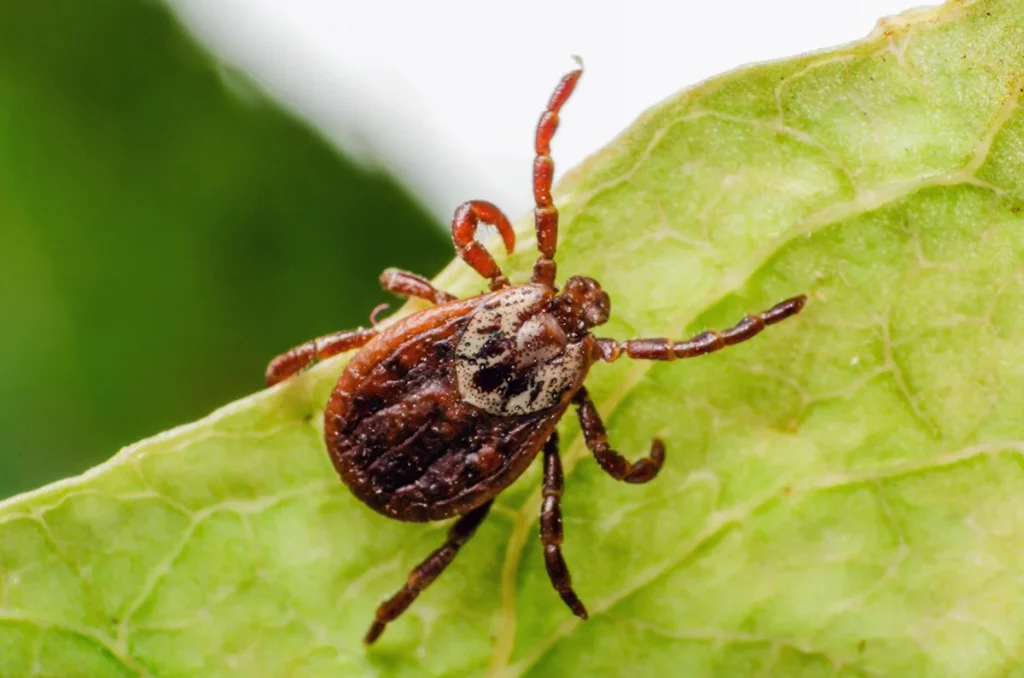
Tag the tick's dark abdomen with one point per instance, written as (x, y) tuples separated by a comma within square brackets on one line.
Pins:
[(405, 441)]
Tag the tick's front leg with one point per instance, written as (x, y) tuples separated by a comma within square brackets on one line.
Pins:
[(290, 362), (610, 350), (427, 571), (545, 214), (406, 284), (551, 528), (467, 217), (611, 461)]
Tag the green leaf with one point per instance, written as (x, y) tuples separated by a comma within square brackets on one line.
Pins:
[(842, 494)]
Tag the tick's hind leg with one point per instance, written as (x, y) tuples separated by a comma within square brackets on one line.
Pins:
[(467, 217), (551, 528), (427, 571), (609, 350), (611, 461), (290, 362), (406, 284), (545, 214)]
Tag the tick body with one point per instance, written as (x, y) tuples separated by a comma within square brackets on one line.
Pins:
[(437, 414)]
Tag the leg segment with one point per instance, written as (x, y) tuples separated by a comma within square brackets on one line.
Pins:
[(464, 223), (406, 284), (427, 571), (290, 362), (545, 214), (611, 461), (610, 350), (551, 528)]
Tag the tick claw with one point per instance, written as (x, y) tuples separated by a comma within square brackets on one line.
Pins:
[(373, 634), (375, 312)]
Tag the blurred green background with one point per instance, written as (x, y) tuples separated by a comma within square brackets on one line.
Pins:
[(164, 232)]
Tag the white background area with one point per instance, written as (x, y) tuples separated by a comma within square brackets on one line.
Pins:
[(444, 94)]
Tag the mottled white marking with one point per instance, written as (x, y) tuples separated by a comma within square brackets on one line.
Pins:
[(539, 340), (511, 335)]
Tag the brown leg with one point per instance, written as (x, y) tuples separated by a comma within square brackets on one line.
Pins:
[(551, 528), (545, 214), (290, 362), (609, 350), (427, 571), (467, 217), (611, 461), (406, 284)]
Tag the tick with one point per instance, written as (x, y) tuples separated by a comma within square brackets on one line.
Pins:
[(437, 414)]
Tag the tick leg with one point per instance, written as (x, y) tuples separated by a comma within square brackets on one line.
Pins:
[(406, 284), (545, 214), (610, 350), (551, 528), (611, 461), (467, 217), (290, 362), (427, 571)]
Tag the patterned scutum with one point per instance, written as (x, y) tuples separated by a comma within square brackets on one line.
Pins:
[(513, 358)]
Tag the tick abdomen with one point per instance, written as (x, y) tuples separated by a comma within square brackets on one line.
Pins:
[(408, 441)]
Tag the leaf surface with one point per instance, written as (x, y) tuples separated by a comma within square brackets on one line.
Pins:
[(842, 495)]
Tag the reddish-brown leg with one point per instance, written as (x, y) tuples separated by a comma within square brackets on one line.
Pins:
[(545, 214), (467, 217), (425, 574), (609, 350), (611, 461), (406, 284), (290, 362), (551, 535)]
